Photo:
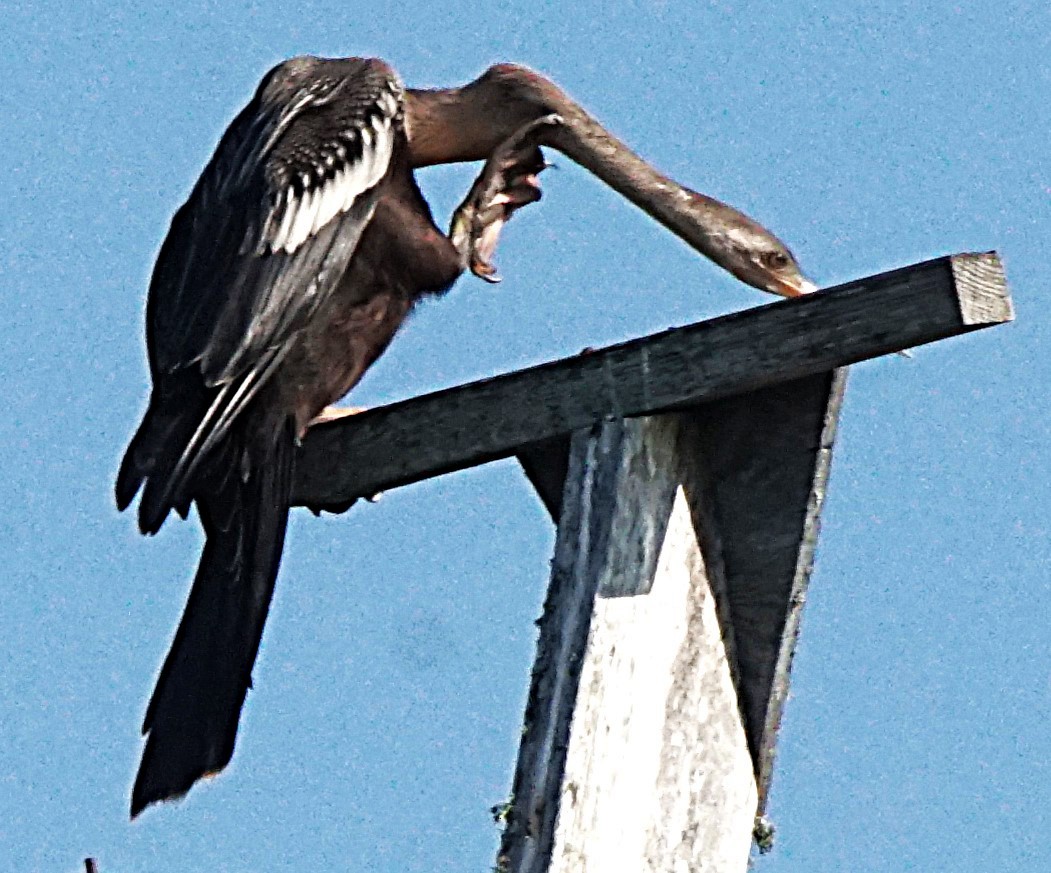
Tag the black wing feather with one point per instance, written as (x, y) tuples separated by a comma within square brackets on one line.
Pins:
[(215, 274), (249, 259)]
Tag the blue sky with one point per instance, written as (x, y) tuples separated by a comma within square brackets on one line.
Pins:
[(392, 677)]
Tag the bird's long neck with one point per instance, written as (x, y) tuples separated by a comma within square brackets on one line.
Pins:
[(466, 124), (449, 125)]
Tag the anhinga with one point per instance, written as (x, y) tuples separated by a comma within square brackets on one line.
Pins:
[(300, 251)]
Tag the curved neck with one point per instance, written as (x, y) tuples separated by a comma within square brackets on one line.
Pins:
[(466, 124)]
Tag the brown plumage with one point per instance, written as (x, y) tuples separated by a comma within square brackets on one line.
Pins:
[(301, 250)]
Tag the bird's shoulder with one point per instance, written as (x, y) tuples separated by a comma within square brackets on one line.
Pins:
[(349, 119), (318, 133), (276, 215)]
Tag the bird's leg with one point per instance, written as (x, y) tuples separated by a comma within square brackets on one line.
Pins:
[(508, 181)]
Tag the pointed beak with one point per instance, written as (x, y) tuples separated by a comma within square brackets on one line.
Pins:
[(794, 287), (807, 287)]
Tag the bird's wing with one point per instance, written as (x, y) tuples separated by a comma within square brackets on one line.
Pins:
[(270, 228)]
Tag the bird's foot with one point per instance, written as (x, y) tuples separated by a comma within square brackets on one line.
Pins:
[(508, 182), (334, 413)]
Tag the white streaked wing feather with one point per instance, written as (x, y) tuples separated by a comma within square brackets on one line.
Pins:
[(304, 220), (384, 149), (368, 156), (389, 105), (330, 203), (355, 183), (280, 237), (304, 216), (339, 190)]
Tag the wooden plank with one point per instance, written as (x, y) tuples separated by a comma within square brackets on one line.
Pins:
[(765, 458), (460, 427), (634, 756), (545, 464)]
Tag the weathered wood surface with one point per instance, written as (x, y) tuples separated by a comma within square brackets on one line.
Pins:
[(460, 427), (653, 716), (766, 458), (545, 464), (633, 756)]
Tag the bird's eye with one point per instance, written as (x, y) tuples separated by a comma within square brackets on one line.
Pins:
[(776, 260)]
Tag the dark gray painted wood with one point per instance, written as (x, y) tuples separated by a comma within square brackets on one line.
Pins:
[(450, 430), (545, 464), (767, 456)]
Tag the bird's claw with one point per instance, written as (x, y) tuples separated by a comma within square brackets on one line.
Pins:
[(508, 182)]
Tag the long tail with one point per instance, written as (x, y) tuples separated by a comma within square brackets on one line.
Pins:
[(192, 718)]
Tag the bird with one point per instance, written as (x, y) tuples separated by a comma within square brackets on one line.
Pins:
[(300, 251)]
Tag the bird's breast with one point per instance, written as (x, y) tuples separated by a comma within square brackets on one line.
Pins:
[(402, 256)]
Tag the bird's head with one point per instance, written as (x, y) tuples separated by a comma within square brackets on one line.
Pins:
[(749, 251), (764, 262)]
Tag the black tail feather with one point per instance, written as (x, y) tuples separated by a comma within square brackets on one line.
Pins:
[(131, 474), (193, 715), (158, 446)]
